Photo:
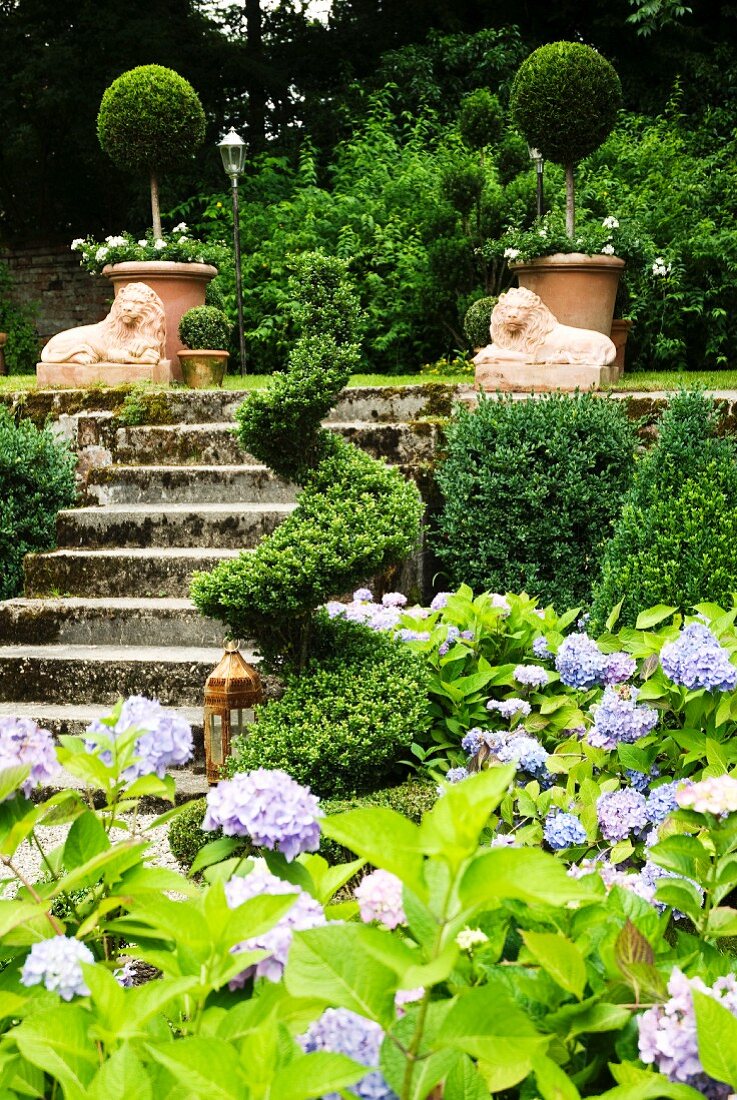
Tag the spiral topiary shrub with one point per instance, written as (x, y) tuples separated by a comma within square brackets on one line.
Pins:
[(355, 515), (36, 481), (565, 100), (150, 120), (676, 540), (531, 491), (477, 322), (206, 328)]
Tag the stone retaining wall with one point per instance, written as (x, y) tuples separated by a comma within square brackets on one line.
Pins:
[(51, 279)]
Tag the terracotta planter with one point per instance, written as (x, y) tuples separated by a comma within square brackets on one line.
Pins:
[(180, 287), (578, 290), (202, 369), (619, 334)]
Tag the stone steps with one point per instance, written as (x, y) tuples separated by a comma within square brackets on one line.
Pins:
[(111, 621), (143, 572), (187, 485), (230, 526)]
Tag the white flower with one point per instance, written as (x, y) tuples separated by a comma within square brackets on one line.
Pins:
[(511, 253), (101, 253), (116, 242), (469, 938), (660, 267), (181, 228), (143, 243), (108, 239), (159, 243), (182, 239), (608, 250), (610, 223), (77, 243), (542, 233)]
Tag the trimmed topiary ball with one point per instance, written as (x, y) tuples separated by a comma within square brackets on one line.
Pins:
[(206, 328), (150, 119), (565, 99), (480, 119), (477, 322)]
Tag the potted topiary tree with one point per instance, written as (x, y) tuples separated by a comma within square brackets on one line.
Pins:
[(205, 333), (150, 120), (565, 100)]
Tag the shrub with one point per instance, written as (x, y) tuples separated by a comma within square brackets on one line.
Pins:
[(347, 722), (205, 327), (676, 541), (19, 322), (36, 480), (150, 120), (531, 490), (355, 515), (480, 119), (477, 322)]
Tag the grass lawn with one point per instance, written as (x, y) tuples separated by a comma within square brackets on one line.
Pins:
[(673, 380)]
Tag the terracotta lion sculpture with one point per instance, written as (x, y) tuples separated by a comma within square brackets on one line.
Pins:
[(523, 328), (134, 331)]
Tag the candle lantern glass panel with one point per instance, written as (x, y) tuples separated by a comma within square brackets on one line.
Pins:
[(232, 690)]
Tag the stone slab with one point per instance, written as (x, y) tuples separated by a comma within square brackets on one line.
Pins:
[(73, 376), (511, 377)]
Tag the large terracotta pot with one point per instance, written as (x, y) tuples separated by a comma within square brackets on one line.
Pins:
[(180, 287), (619, 334), (578, 290)]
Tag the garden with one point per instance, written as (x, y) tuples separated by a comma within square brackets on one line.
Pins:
[(475, 834)]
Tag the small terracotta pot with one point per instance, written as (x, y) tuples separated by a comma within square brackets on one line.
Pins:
[(202, 369), (180, 286), (578, 290)]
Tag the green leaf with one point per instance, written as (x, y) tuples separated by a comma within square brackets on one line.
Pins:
[(552, 1082), (207, 1067), (716, 1031), (614, 616), (11, 779), (86, 839), (328, 963), (58, 1042), (315, 1074), (464, 1082), (214, 852), (722, 922), (121, 1077), (591, 1016), (108, 998), (145, 1001), (653, 616), (453, 826), (383, 837), (487, 1024), (560, 957), (527, 874)]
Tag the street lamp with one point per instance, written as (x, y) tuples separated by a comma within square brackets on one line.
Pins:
[(537, 157), (233, 151)]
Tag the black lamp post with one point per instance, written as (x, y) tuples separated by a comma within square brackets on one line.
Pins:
[(233, 151), (537, 157)]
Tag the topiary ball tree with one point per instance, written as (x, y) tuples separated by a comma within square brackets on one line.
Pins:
[(565, 100), (150, 120)]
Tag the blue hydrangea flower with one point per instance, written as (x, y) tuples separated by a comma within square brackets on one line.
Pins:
[(697, 660), (473, 741), (617, 719), (579, 661), (510, 708), (57, 964), (452, 636), (641, 780), (455, 775), (563, 831), (22, 742), (526, 752), (341, 1031), (363, 595), (621, 812), (440, 601), (406, 635), (531, 675), (541, 649), (619, 667), (662, 801), (335, 609), (165, 739), (268, 806)]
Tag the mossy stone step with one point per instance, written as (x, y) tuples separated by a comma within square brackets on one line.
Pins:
[(187, 485)]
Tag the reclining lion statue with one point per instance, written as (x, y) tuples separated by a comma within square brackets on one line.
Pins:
[(524, 329), (134, 331)]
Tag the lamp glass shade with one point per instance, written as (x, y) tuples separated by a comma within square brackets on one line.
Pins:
[(233, 152)]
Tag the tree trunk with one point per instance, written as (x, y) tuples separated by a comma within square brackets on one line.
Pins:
[(570, 202), (155, 210)]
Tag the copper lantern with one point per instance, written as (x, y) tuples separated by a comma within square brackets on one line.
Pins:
[(232, 690)]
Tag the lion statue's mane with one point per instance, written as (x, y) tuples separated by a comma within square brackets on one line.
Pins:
[(538, 337), (134, 331)]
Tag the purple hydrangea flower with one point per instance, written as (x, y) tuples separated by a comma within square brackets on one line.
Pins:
[(503, 840), (57, 964), (452, 636), (455, 775), (305, 913), (440, 601), (661, 802), (164, 741), (500, 603), (697, 660), (268, 806), (384, 617), (668, 1038), (621, 813), (473, 741), (341, 1031), (363, 595), (531, 675), (357, 612), (393, 599), (617, 719), (379, 897), (335, 609), (563, 831), (406, 635), (619, 667), (579, 661), (540, 648), (125, 975), (526, 752), (510, 708), (22, 742)]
